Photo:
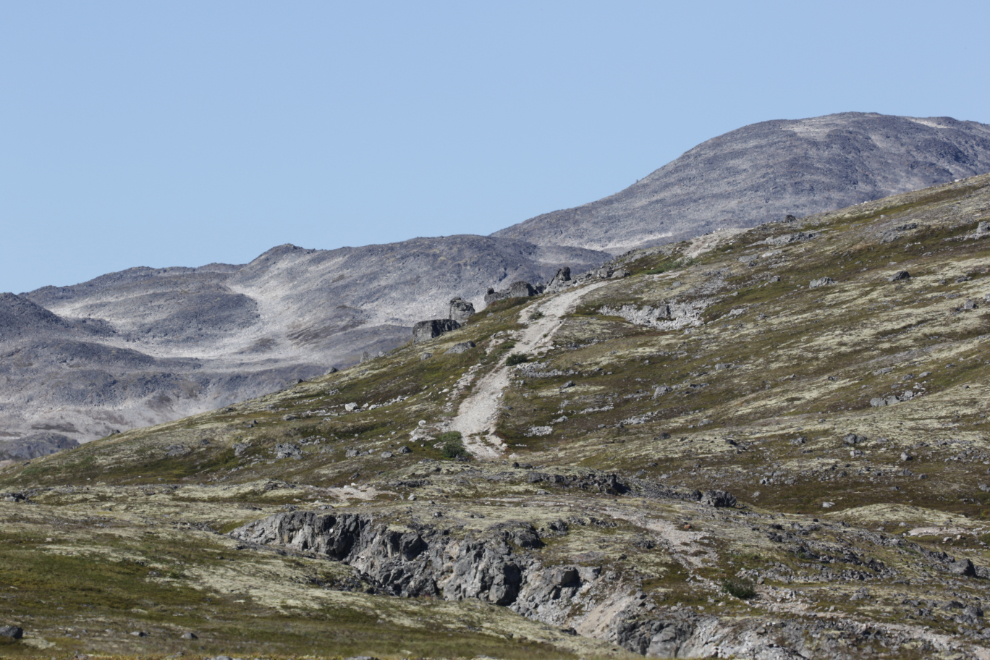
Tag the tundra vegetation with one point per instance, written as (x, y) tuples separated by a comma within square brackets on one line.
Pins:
[(707, 456)]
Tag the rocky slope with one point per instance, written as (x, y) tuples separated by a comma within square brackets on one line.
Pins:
[(766, 171), (145, 345), (767, 444)]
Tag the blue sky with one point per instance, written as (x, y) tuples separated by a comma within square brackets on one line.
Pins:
[(183, 133)]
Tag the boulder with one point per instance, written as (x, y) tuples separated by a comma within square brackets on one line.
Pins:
[(821, 281), (287, 450), (461, 347), (560, 280), (963, 567), (899, 276), (427, 330), (718, 499), (460, 310), (515, 290), (11, 632)]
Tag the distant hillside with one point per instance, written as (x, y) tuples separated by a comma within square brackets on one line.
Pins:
[(146, 345), (766, 171)]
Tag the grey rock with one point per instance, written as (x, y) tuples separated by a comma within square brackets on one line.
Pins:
[(427, 330), (35, 445), (820, 282), (386, 454), (983, 227), (351, 453), (11, 632), (460, 310), (619, 274), (174, 451), (970, 304), (661, 390), (139, 633), (516, 290), (812, 165), (559, 281), (240, 448), (461, 347), (786, 239), (906, 456), (718, 499), (189, 635), (899, 276), (287, 450), (404, 450), (963, 567), (426, 356)]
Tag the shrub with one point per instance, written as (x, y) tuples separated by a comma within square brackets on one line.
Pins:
[(453, 445), (516, 358), (741, 589)]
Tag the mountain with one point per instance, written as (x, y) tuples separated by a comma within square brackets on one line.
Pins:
[(145, 345), (766, 171), (760, 444)]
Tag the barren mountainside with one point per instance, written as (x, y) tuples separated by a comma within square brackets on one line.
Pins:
[(147, 345), (765, 171)]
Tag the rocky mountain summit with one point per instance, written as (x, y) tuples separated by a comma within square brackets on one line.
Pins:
[(765, 171), (146, 345), (681, 453)]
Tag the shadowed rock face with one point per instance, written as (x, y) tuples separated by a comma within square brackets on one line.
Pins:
[(765, 171), (145, 345), (35, 445)]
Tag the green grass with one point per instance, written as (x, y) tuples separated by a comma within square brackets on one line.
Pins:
[(741, 589), (453, 445)]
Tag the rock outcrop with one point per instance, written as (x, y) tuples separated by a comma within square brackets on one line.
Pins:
[(515, 290), (460, 310), (559, 281), (427, 330)]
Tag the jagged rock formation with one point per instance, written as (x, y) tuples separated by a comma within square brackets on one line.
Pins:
[(427, 330), (768, 171), (460, 310)]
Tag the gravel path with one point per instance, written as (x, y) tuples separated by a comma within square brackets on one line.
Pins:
[(478, 414)]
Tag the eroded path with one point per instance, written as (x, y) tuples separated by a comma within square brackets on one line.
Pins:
[(478, 414)]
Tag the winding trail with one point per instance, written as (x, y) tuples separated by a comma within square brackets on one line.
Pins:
[(478, 414)]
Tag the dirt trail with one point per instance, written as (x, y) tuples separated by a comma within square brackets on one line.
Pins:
[(477, 414)]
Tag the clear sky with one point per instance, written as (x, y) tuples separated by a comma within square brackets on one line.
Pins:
[(182, 133)]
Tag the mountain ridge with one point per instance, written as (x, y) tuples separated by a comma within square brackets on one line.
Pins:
[(766, 171)]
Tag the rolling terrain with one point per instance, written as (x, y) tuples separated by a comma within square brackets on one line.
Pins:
[(145, 346), (766, 443)]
